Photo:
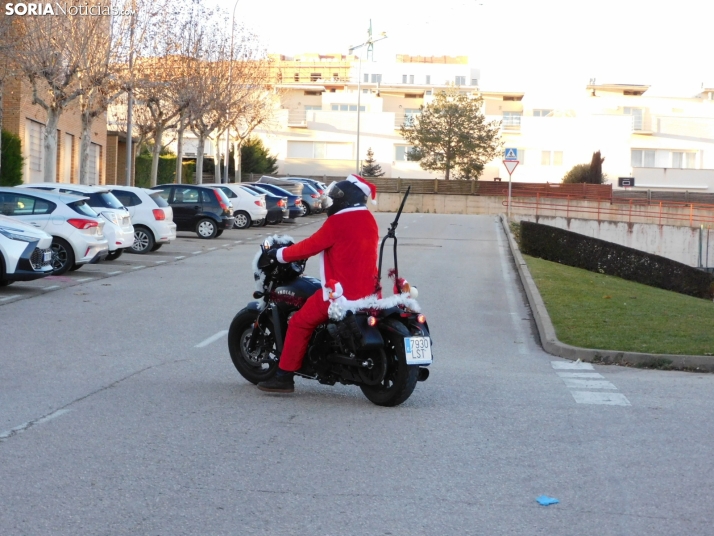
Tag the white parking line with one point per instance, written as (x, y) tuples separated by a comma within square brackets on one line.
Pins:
[(138, 267), (211, 249), (84, 279), (160, 262), (115, 273), (573, 383), (51, 288), (579, 375), (225, 245), (212, 338), (238, 242), (571, 365), (196, 252), (26, 425), (10, 297), (180, 257), (608, 399)]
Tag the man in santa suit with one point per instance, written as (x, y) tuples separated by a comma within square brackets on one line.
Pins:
[(347, 244)]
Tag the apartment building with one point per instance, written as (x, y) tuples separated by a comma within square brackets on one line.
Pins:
[(28, 121)]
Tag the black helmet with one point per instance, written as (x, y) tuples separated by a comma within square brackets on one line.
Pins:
[(345, 194)]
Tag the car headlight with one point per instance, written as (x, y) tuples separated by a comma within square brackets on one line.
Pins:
[(15, 236), (112, 217)]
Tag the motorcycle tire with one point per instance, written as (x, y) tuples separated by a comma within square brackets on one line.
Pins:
[(401, 379), (248, 365)]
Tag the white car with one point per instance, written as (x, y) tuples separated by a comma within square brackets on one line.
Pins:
[(151, 215), (77, 231), (25, 252), (247, 209), (118, 228)]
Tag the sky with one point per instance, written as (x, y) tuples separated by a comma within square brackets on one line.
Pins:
[(519, 45)]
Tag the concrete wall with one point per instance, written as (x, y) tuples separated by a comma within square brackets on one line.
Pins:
[(676, 242)]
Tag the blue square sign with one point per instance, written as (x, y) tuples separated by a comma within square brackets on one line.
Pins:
[(510, 153)]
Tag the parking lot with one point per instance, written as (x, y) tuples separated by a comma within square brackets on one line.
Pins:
[(186, 245)]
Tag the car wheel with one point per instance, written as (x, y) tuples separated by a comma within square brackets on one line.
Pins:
[(242, 220), (263, 222), (75, 267), (143, 240), (156, 247), (62, 256), (306, 211), (114, 255), (206, 228), (219, 233), (3, 282)]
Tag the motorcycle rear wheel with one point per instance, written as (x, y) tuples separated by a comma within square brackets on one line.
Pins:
[(401, 379), (250, 365)]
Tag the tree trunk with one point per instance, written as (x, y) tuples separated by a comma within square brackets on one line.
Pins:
[(158, 136), (1, 118), (236, 156), (84, 143), (217, 161), (50, 146), (179, 151), (199, 160)]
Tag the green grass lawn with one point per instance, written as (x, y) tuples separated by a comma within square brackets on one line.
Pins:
[(605, 312)]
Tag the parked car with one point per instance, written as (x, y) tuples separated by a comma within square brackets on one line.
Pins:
[(117, 229), (290, 186), (201, 209), (311, 200), (294, 201), (320, 187), (151, 215), (247, 209), (276, 206), (25, 252), (77, 230)]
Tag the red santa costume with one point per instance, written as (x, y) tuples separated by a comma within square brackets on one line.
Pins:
[(347, 244)]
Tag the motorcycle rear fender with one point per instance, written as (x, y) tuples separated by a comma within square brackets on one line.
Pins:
[(371, 337), (256, 305)]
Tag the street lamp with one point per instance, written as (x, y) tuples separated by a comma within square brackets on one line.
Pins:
[(230, 79), (369, 43)]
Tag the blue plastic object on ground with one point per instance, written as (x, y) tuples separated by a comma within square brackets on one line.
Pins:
[(545, 500)]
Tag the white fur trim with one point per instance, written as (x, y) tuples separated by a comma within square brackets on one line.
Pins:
[(271, 240), (362, 186), (280, 257), (351, 209), (339, 307), (374, 201)]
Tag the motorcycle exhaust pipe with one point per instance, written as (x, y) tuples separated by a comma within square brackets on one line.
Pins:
[(423, 374)]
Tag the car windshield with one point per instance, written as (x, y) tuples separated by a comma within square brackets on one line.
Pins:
[(229, 193), (307, 189), (81, 207), (250, 191), (160, 201), (278, 190)]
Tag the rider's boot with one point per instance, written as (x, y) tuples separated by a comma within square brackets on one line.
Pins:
[(282, 382)]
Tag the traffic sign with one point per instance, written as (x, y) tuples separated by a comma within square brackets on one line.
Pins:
[(510, 153), (510, 166)]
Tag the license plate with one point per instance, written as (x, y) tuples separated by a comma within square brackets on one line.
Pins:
[(47, 256), (418, 350)]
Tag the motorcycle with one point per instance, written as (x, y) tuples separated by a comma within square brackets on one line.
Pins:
[(382, 345)]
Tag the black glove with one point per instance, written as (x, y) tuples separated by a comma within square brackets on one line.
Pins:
[(268, 258), (272, 256)]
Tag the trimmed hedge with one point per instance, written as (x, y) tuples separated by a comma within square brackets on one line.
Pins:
[(595, 255), (166, 173), (12, 160)]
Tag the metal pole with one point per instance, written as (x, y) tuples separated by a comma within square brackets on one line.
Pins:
[(129, 111), (508, 211), (230, 79), (359, 95)]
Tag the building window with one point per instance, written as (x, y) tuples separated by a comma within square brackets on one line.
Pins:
[(551, 158), (657, 158), (411, 78), (346, 108), (543, 112), (404, 79), (376, 78), (320, 150), (67, 152), (313, 93), (428, 92), (366, 78), (312, 108), (637, 114), (428, 79), (296, 77), (314, 77), (460, 80), (400, 153), (512, 119), (474, 81)]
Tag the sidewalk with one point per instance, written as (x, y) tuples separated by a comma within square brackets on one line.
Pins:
[(552, 345)]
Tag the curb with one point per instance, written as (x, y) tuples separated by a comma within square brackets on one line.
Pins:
[(551, 344)]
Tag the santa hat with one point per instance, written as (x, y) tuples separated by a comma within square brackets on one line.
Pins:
[(369, 189)]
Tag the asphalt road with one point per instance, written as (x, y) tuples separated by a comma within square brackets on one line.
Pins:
[(121, 413)]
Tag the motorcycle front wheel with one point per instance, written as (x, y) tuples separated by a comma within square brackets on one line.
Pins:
[(253, 366), (400, 379)]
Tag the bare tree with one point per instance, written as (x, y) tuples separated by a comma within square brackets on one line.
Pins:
[(7, 45)]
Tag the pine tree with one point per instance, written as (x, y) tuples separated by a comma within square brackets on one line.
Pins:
[(370, 168)]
